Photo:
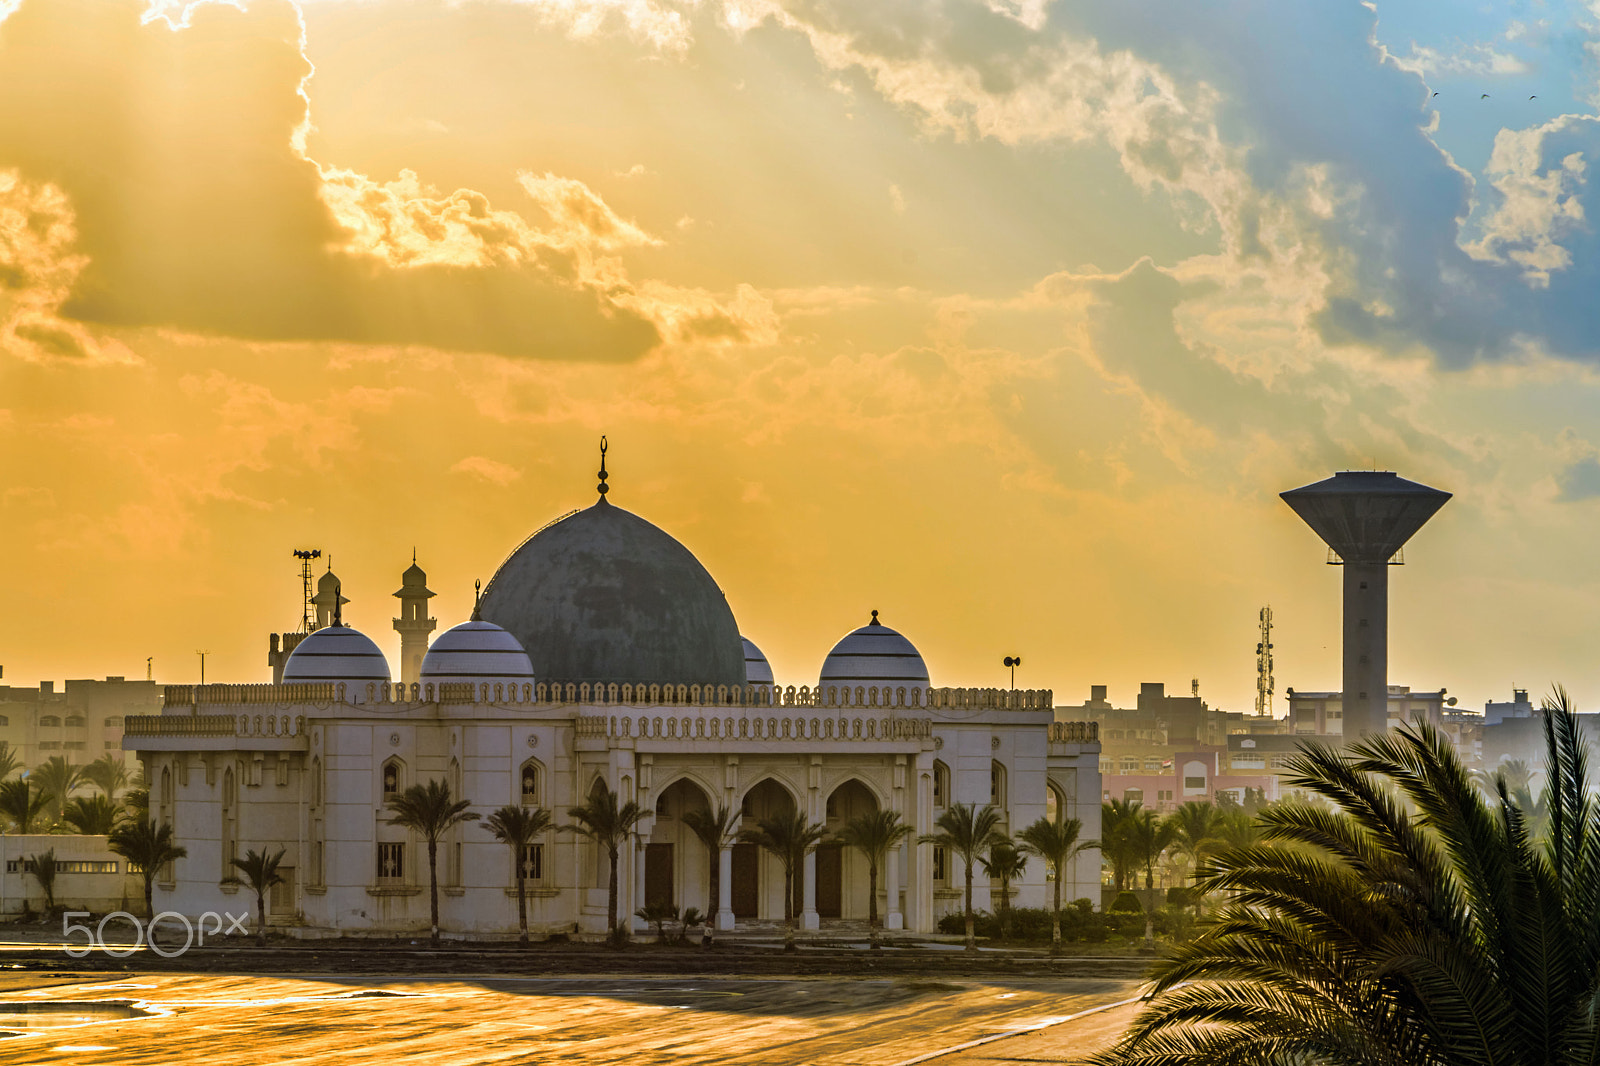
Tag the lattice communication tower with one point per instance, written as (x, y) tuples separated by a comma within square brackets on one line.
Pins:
[(1264, 666), (308, 620)]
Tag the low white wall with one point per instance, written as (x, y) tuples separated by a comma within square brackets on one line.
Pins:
[(97, 892)]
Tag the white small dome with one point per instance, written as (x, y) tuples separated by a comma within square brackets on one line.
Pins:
[(874, 655), (757, 671), (336, 653), (475, 652)]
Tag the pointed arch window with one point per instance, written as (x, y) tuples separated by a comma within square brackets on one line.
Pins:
[(529, 779), (394, 779), (941, 784)]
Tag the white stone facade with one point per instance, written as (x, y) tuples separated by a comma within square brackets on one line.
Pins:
[(308, 768)]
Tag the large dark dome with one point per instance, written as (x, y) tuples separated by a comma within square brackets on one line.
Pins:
[(603, 595)]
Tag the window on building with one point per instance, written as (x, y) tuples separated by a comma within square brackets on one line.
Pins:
[(391, 862), (941, 870), (1108, 766), (112, 745), (4, 720), (941, 784), (530, 784), (1152, 766), (1165, 794), (392, 783), (49, 745), (997, 785), (1130, 765), (74, 745), (114, 722), (1280, 759), (1194, 782), (533, 862), (50, 720), (1133, 795), (1249, 762), (74, 721)]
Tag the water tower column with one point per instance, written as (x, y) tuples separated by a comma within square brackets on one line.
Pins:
[(1366, 648)]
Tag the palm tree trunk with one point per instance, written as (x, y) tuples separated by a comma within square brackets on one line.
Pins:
[(1055, 915), (149, 893), (788, 908), (433, 887), (261, 919), (611, 897), (972, 936), (714, 882), (522, 905), (872, 903)]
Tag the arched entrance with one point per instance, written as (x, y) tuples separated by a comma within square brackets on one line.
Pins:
[(842, 877), (676, 864), (757, 889)]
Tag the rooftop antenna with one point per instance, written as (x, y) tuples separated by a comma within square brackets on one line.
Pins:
[(202, 666), (1264, 665), (1013, 661), (338, 605), (477, 600), (603, 487), (150, 668), (308, 613)]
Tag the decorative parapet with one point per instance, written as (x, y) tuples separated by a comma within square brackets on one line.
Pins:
[(753, 727), (1075, 732), (214, 725), (217, 695), (603, 694)]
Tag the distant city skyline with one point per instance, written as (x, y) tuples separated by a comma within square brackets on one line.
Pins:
[(1009, 322)]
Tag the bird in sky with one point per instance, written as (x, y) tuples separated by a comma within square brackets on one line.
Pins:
[(1435, 94), (1485, 96), (1533, 98)]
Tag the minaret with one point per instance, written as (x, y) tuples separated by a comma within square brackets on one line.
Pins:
[(413, 625), (327, 598)]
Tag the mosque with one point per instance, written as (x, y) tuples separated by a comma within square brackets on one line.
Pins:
[(601, 651)]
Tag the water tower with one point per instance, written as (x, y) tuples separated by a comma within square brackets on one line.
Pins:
[(1365, 517)]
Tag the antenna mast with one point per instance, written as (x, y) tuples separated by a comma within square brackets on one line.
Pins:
[(308, 607), (1264, 666)]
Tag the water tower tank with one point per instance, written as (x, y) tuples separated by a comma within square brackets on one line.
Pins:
[(1366, 517)]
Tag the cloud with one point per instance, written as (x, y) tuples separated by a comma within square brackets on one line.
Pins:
[(488, 470), (205, 216), (1579, 480), (659, 25), (1482, 59), (1541, 201)]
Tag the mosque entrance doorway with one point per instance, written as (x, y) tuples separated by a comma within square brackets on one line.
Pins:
[(830, 880), (746, 876), (842, 880), (758, 875), (658, 874)]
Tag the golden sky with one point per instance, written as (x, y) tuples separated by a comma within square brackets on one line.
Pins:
[(1008, 319)]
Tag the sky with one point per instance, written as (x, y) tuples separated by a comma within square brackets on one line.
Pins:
[(1006, 318)]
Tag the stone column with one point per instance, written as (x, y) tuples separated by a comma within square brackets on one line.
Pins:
[(808, 916), (638, 925), (725, 887), (893, 919)]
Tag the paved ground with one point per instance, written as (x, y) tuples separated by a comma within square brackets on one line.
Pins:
[(493, 1018)]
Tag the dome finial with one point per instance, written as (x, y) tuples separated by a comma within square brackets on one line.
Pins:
[(413, 555), (603, 487), (338, 605), (874, 617), (477, 600)]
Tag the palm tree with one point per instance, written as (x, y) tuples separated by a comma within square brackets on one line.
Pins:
[(91, 815), (147, 846), (787, 838), (1195, 827), (21, 804), (874, 835), (1005, 863), (1114, 817), (1415, 921), (965, 829), (429, 810), (1146, 837), (58, 777), (43, 867), (136, 801), (1057, 844), (10, 761), (716, 830), (108, 773), (519, 827), (261, 874), (609, 825)]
